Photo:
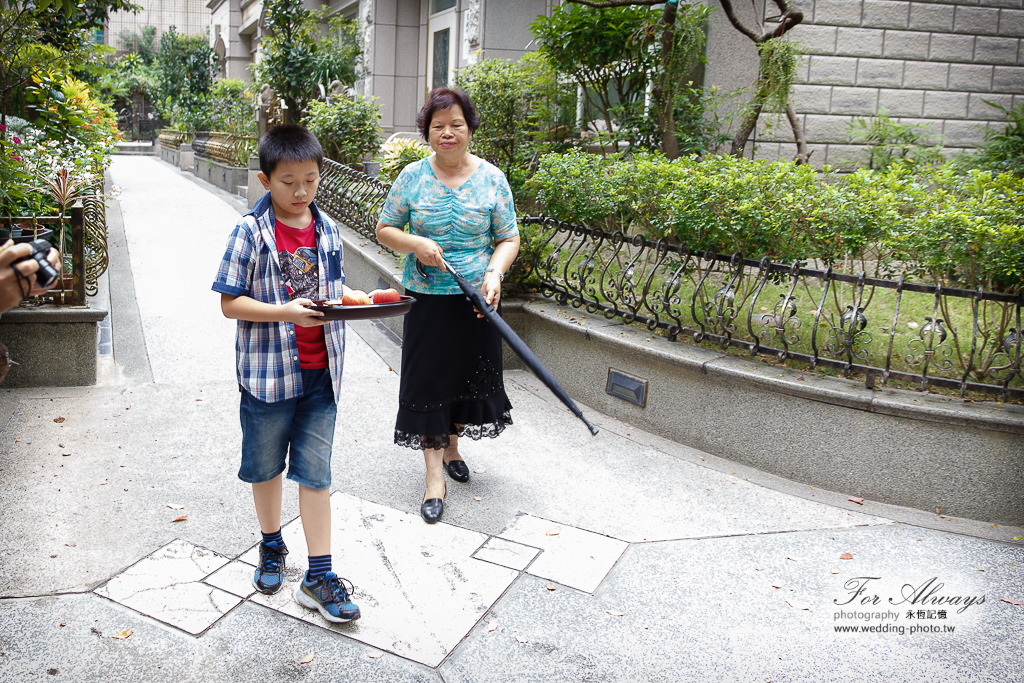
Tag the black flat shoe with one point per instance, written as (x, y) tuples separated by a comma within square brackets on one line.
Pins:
[(432, 508), (457, 470)]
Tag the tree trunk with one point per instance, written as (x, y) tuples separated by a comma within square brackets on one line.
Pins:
[(739, 141), (802, 155), (665, 97)]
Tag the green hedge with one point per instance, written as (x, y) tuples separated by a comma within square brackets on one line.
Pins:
[(927, 223)]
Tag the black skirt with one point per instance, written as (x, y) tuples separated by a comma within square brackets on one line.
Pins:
[(452, 381)]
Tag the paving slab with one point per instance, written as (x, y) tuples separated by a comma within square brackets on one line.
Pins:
[(572, 557), (167, 587), (764, 608), (419, 588), (57, 633)]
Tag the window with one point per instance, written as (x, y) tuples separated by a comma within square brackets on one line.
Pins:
[(441, 40), (440, 5)]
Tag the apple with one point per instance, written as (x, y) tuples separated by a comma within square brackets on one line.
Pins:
[(386, 296), (356, 298)]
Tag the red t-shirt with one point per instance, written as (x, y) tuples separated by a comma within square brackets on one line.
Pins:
[(296, 250)]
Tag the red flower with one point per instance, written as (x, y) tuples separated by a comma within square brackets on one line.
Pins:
[(3, 128), (16, 140)]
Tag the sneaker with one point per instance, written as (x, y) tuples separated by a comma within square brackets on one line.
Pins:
[(330, 595), (269, 575)]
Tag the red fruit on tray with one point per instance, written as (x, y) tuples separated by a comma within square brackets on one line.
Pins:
[(387, 296), (356, 298)]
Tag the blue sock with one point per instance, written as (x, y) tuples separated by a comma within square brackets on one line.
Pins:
[(275, 537), (318, 566)]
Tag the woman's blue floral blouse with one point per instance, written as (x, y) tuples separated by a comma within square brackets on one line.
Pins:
[(464, 222)]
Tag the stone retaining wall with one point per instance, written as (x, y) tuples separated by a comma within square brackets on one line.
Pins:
[(54, 346)]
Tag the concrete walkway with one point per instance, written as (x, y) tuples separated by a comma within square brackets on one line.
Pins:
[(623, 557)]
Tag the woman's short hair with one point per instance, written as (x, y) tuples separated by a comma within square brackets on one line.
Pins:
[(446, 98)]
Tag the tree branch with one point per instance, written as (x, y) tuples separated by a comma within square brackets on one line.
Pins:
[(730, 12), (802, 155)]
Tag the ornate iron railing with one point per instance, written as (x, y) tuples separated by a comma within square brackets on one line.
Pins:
[(70, 290), (965, 340), (352, 197), (85, 246), (952, 336), (172, 138), (226, 148), (199, 140), (95, 219)]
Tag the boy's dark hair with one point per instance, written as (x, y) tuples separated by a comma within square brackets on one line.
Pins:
[(446, 98), (289, 142)]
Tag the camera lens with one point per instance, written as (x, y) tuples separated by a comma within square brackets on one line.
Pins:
[(47, 274)]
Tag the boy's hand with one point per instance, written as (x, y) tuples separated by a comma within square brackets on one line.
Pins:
[(295, 311)]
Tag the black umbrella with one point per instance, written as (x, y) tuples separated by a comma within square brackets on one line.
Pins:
[(517, 344)]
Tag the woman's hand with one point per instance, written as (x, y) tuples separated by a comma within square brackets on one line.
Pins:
[(491, 290), (429, 252)]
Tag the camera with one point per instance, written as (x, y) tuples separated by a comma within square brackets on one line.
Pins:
[(47, 274)]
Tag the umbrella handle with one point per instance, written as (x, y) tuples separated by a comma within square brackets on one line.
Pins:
[(423, 273)]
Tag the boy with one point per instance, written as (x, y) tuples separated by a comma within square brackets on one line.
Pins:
[(281, 255)]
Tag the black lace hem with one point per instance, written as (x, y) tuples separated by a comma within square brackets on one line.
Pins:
[(473, 431)]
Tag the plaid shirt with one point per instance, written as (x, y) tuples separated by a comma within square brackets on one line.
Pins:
[(267, 353)]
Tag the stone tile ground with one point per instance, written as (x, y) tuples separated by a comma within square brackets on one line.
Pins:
[(699, 572)]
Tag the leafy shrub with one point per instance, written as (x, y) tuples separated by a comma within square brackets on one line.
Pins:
[(891, 142), (347, 128), (1003, 149), (232, 107), (576, 187), (524, 112), (967, 230), (297, 57), (184, 76), (128, 75), (923, 221), (399, 153), (70, 127)]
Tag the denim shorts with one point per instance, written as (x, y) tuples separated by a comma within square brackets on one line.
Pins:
[(306, 424)]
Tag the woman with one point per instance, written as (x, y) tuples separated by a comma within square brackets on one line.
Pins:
[(457, 208)]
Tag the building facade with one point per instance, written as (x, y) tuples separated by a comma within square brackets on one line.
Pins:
[(188, 17), (410, 45), (934, 62)]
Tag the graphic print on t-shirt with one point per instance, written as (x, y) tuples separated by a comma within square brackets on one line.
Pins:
[(300, 272)]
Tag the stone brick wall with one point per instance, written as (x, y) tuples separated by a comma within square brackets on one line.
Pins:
[(931, 62)]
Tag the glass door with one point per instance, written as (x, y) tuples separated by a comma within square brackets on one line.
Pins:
[(441, 42)]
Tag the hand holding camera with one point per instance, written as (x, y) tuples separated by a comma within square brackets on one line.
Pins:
[(26, 270)]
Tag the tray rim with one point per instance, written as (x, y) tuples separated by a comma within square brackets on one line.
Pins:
[(364, 311)]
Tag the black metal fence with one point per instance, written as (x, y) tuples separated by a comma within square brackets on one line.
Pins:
[(913, 332), (885, 330), (352, 197)]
